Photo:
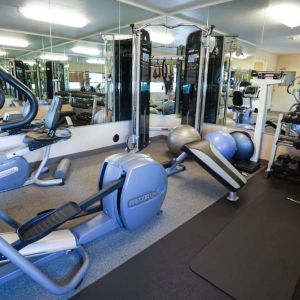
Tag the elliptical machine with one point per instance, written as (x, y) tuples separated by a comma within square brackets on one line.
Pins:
[(292, 117), (128, 197), (296, 94), (14, 168)]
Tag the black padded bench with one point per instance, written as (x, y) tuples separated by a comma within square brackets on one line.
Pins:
[(217, 165)]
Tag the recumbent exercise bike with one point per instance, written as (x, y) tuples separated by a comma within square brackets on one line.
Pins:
[(14, 168)]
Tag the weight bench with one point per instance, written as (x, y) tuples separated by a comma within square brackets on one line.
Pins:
[(206, 155)]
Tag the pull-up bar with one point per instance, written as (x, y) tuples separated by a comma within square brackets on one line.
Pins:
[(208, 31), (168, 57)]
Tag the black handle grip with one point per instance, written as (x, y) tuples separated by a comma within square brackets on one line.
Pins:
[(24, 90)]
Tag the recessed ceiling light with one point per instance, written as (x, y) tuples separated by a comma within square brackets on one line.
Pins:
[(2, 53), (54, 56), (96, 61), (163, 37), (14, 42), (286, 13), (86, 50), (53, 14)]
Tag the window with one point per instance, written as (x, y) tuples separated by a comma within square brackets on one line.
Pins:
[(75, 85), (157, 87), (96, 79)]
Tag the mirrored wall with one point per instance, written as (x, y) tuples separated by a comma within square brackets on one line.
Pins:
[(91, 70), (92, 75), (73, 70), (71, 61)]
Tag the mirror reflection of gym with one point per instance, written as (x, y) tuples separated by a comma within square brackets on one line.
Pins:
[(56, 66), (238, 98)]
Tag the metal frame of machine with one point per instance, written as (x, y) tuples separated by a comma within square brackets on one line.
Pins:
[(135, 144), (264, 80)]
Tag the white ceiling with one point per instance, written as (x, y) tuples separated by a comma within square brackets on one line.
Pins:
[(247, 18), (242, 17)]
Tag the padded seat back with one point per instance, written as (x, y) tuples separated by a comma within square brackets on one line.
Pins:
[(206, 155), (237, 99), (2, 99), (53, 113)]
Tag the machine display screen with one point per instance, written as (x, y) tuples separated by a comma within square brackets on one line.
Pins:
[(296, 128)]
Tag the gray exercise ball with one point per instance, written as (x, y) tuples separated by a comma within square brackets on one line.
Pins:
[(99, 117), (154, 111), (181, 135), (169, 107)]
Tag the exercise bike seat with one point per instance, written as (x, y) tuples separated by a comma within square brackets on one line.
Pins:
[(238, 108), (216, 164), (38, 136), (41, 225), (37, 139)]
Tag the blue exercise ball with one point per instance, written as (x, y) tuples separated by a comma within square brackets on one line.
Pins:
[(223, 141), (244, 145)]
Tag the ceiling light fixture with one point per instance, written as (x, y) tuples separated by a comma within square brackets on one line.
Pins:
[(96, 61), (29, 62), (240, 56), (286, 13), (116, 37), (86, 50), (53, 14), (54, 57), (165, 38), (2, 53), (14, 42)]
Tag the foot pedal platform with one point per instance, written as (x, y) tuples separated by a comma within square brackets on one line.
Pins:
[(43, 224), (172, 171), (172, 168), (62, 169)]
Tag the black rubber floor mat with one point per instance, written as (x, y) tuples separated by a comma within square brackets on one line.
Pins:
[(257, 256), (162, 271)]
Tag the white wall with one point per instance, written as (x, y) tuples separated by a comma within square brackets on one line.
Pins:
[(269, 59), (84, 138), (78, 67), (243, 64), (282, 101)]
